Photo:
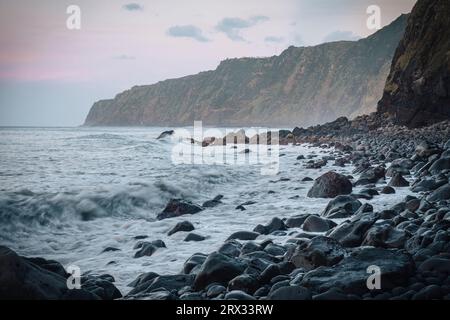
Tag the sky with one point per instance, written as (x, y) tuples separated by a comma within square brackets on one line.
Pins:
[(50, 75)]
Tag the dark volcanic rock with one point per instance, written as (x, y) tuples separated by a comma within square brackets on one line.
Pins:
[(320, 251), (296, 221), (351, 233), (275, 225), (177, 207), (213, 203), (185, 226), (350, 275), (330, 185), (169, 283), (290, 293), (22, 279), (194, 237), (385, 236), (218, 268), (371, 175), (440, 165), (317, 224), (398, 181), (442, 193), (166, 134), (147, 249), (342, 207), (244, 235)]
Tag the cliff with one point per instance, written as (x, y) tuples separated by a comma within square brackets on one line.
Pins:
[(417, 91), (302, 86)]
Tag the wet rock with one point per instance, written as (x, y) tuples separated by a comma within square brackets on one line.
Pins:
[(385, 236), (184, 226), (143, 278), (101, 285), (371, 175), (351, 233), (442, 193), (275, 225), (218, 268), (320, 251), (296, 221), (22, 279), (428, 184), (165, 134), (398, 181), (350, 275), (177, 207), (317, 224), (110, 249), (244, 235), (147, 249), (231, 248), (194, 237), (330, 185), (195, 260), (238, 295), (169, 283), (387, 190), (290, 293), (213, 203), (341, 207), (241, 207), (435, 264), (244, 282), (215, 290), (307, 179), (440, 165)]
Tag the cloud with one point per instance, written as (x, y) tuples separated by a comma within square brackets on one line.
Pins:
[(232, 26), (341, 35), (188, 31), (133, 7), (273, 39), (124, 57)]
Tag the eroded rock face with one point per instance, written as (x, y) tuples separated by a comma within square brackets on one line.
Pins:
[(417, 91), (330, 185)]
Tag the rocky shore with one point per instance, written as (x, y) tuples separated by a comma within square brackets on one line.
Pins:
[(409, 243)]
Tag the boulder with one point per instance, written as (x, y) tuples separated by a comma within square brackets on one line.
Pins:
[(385, 236), (330, 185), (317, 224), (296, 221), (23, 279), (320, 251), (218, 268), (398, 181), (440, 165), (185, 226), (165, 134), (178, 207), (194, 237), (161, 283), (351, 233), (442, 193), (341, 207), (351, 274), (213, 203), (243, 235), (371, 175), (275, 225), (195, 260)]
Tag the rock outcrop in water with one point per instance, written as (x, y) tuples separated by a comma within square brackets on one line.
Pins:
[(302, 86), (417, 90)]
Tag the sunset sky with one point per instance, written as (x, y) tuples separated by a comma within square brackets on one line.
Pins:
[(50, 75)]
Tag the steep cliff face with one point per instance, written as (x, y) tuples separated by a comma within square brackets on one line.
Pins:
[(417, 91), (302, 86)]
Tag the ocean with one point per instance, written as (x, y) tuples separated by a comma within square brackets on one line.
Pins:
[(69, 193)]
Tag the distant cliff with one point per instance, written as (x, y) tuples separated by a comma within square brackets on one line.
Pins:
[(302, 86), (417, 91)]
